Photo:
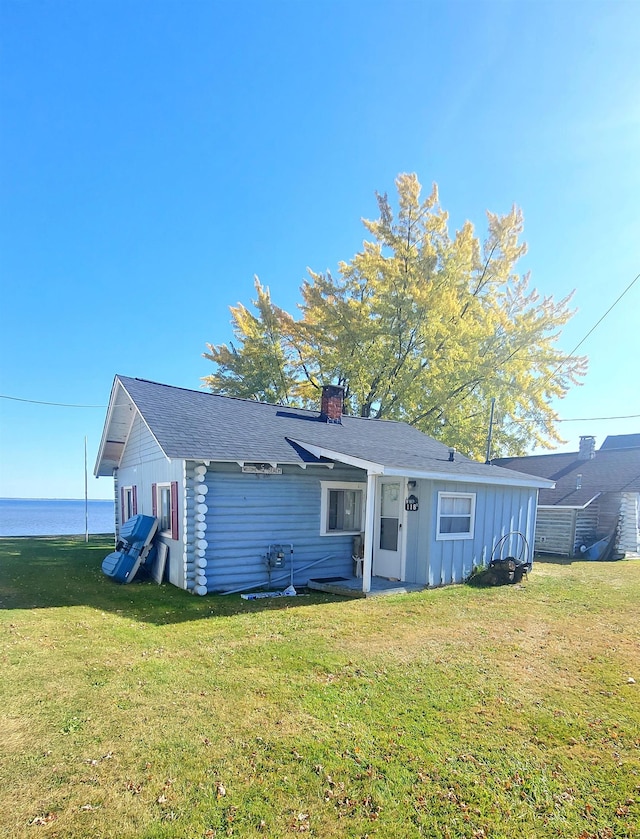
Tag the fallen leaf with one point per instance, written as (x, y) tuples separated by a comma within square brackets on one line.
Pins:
[(40, 820)]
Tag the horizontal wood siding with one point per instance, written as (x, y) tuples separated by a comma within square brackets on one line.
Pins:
[(608, 513), (499, 511), (555, 531), (247, 513), (116, 506), (141, 447), (142, 465), (586, 527)]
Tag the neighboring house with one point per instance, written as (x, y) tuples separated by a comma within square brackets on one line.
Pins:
[(229, 479), (596, 495)]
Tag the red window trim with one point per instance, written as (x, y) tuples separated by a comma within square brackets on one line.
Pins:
[(174, 510)]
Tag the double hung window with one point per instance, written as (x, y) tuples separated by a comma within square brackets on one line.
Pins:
[(129, 503), (456, 515), (164, 499), (341, 508)]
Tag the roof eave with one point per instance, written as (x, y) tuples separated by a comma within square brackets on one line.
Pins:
[(420, 474), (103, 440), (570, 506), (104, 468)]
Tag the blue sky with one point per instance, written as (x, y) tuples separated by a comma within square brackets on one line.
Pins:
[(154, 156)]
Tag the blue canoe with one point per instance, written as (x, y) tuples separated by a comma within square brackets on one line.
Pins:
[(133, 548)]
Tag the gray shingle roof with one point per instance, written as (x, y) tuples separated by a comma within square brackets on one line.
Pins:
[(198, 425), (621, 441), (611, 470)]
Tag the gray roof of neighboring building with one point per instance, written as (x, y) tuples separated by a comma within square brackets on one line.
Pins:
[(199, 425), (621, 441), (610, 470)]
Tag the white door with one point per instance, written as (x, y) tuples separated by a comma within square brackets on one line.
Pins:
[(388, 543)]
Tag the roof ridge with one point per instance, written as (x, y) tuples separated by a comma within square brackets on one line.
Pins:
[(312, 411)]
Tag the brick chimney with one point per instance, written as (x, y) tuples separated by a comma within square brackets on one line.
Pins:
[(332, 402), (587, 450)]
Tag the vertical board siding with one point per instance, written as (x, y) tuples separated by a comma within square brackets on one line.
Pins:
[(248, 513), (500, 511)]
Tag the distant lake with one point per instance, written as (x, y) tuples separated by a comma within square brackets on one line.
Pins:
[(53, 517)]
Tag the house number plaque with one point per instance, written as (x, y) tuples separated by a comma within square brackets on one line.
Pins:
[(411, 504)]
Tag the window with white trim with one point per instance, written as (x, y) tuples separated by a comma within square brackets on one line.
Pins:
[(128, 505), (456, 515), (341, 508), (164, 507)]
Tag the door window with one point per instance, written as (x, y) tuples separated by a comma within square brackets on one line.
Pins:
[(389, 516)]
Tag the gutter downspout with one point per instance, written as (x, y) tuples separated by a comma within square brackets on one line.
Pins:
[(369, 523)]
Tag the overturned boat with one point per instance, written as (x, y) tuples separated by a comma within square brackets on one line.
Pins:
[(133, 548)]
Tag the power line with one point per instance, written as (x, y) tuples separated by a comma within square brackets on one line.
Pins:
[(67, 405), (593, 328), (597, 419), (56, 404)]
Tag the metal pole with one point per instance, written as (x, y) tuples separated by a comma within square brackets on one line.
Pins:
[(86, 502), (493, 404)]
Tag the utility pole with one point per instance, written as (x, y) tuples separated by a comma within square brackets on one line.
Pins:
[(86, 502), (493, 405)]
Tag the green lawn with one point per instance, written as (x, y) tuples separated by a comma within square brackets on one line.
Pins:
[(141, 711)]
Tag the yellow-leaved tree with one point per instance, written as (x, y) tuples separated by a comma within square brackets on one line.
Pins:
[(418, 326)]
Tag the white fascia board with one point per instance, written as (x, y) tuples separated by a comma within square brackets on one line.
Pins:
[(103, 440), (146, 423), (569, 506), (368, 466), (397, 472), (534, 483)]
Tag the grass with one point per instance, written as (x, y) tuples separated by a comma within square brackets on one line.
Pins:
[(141, 711)]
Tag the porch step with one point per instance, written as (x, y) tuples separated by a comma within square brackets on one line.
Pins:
[(352, 587)]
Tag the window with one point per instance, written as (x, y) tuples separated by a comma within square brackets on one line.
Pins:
[(341, 508), (456, 514), (164, 507), (164, 498), (129, 503)]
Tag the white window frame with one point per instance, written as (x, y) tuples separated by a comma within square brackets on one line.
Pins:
[(326, 487), (472, 522), (159, 487)]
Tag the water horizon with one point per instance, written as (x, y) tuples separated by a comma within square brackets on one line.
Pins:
[(56, 516), (47, 498)]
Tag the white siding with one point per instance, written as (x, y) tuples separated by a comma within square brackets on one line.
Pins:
[(629, 528), (143, 464)]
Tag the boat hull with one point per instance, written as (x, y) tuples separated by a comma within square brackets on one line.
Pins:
[(134, 546)]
